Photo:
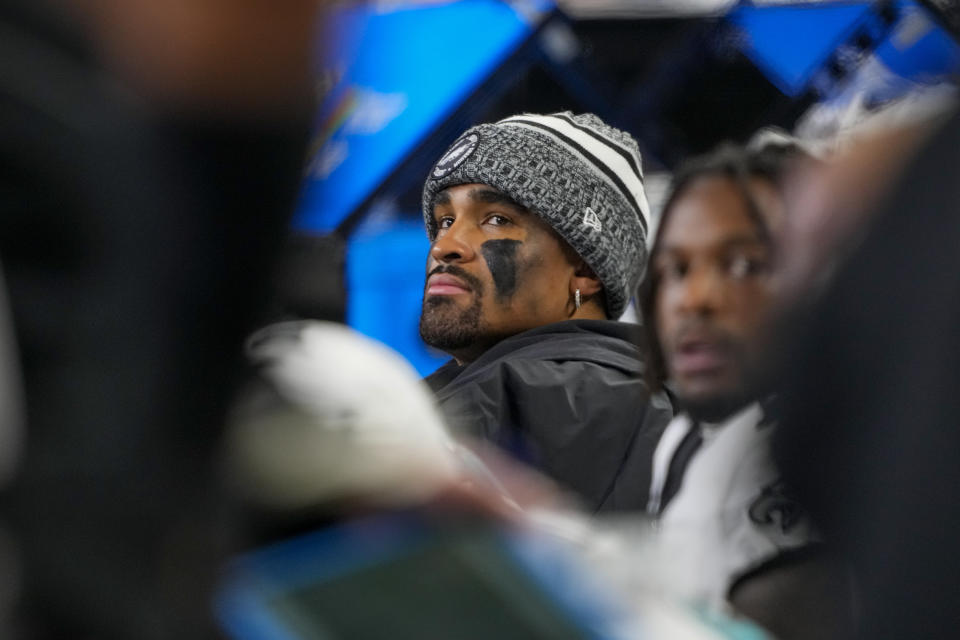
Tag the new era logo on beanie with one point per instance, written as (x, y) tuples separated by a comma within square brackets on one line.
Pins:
[(592, 220), (582, 176)]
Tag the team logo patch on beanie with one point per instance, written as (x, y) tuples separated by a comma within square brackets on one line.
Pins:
[(453, 158)]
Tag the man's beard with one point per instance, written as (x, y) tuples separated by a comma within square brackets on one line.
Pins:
[(448, 327), (716, 408), (755, 383), (445, 325)]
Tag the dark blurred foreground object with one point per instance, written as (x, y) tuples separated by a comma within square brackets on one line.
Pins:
[(311, 278), (138, 225), (870, 435)]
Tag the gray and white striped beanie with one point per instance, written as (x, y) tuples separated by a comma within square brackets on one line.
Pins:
[(580, 175)]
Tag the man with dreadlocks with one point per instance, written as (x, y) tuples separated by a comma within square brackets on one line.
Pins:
[(729, 529)]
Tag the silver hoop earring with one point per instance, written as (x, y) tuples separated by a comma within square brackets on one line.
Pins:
[(576, 298)]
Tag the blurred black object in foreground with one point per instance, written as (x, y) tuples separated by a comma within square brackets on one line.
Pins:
[(136, 248), (311, 278), (870, 435)]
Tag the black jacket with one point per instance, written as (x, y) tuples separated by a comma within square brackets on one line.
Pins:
[(569, 399)]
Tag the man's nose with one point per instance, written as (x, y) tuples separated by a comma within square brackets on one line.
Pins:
[(703, 291), (453, 244)]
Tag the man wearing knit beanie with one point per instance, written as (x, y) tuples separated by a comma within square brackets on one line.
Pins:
[(538, 226)]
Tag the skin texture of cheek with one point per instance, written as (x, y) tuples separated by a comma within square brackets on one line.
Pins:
[(501, 257)]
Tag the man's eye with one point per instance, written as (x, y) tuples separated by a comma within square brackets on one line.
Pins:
[(498, 220), (742, 266), (672, 270), (445, 222)]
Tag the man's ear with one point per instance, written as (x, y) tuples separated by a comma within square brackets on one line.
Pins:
[(584, 279)]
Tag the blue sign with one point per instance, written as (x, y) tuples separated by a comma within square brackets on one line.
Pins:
[(790, 43), (386, 270), (919, 49), (396, 71)]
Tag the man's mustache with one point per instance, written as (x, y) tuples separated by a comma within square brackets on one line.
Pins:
[(472, 281), (705, 330)]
